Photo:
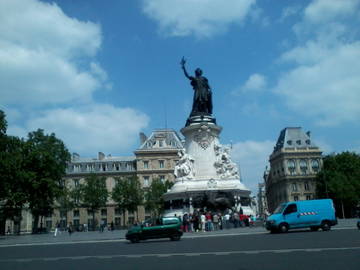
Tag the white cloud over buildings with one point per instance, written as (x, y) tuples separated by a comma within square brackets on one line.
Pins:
[(324, 81), (48, 75)]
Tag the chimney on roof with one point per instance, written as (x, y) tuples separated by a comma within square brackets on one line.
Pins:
[(143, 137), (75, 156), (101, 156)]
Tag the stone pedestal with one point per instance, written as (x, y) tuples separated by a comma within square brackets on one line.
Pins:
[(205, 173)]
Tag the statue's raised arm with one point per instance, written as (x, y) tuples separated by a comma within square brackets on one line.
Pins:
[(182, 63)]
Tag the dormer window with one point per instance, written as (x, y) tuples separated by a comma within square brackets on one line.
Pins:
[(298, 142), (308, 142), (289, 142)]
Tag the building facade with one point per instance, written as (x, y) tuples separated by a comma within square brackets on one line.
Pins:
[(294, 164), (155, 158)]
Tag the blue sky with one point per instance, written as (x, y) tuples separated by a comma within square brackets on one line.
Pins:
[(99, 72)]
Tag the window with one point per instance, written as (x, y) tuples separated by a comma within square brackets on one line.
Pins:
[(117, 221), (306, 186), (162, 178), (103, 212), (117, 211), (63, 214), (146, 164), (146, 181), (76, 182), (131, 220), (161, 164), (294, 187), (89, 212), (161, 143), (315, 165), (303, 166), (76, 213), (296, 198), (298, 142), (308, 197), (292, 208), (104, 167), (291, 166)]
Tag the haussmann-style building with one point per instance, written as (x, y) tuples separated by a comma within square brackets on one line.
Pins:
[(294, 164)]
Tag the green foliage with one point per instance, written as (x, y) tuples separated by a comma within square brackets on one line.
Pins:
[(127, 193), (3, 123), (154, 196), (94, 193), (339, 179), (46, 160)]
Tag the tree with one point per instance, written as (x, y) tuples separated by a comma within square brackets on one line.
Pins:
[(94, 194), (128, 194), (46, 161), (154, 196), (12, 176), (339, 180)]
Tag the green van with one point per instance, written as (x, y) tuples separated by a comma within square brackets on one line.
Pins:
[(165, 227)]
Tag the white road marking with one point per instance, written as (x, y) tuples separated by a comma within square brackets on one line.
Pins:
[(166, 255)]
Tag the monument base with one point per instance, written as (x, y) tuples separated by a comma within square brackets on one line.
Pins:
[(211, 195)]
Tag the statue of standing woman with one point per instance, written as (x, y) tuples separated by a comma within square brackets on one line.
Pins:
[(202, 102)]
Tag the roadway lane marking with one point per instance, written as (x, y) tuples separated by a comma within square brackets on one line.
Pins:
[(166, 255)]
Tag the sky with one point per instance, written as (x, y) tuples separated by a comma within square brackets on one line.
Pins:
[(97, 73)]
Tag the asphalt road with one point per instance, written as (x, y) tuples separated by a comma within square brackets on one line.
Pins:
[(336, 249)]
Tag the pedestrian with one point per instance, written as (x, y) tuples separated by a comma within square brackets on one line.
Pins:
[(216, 221), (112, 227), (203, 221), (57, 228), (186, 222), (227, 220), (8, 230), (208, 221), (70, 229)]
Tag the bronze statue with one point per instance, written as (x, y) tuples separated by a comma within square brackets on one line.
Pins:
[(202, 102)]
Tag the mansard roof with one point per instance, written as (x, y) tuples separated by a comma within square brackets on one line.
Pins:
[(160, 139), (292, 137), (101, 158)]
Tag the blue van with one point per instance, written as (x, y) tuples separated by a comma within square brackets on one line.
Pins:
[(302, 214)]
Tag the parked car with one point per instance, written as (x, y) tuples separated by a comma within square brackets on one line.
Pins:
[(358, 224), (302, 214), (164, 227)]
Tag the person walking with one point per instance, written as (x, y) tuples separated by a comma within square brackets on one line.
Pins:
[(203, 221), (70, 229), (216, 221), (57, 229)]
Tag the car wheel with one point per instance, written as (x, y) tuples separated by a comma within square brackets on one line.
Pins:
[(314, 228), (325, 226), (358, 225), (175, 237), (134, 239), (283, 228)]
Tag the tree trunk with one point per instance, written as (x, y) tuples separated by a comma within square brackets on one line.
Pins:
[(93, 222), (36, 222), (342, 209)]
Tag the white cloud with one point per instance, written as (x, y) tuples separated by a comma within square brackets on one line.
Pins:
[(48, 74), (324, 82), (252, 156), (89, 130), (255, 83), (203, 18), (40, 49), (289, 11), (324, 11)]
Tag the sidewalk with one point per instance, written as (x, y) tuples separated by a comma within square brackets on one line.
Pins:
[(64, 237)]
